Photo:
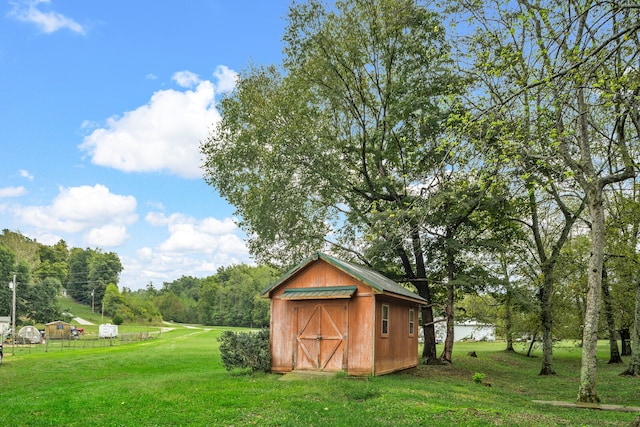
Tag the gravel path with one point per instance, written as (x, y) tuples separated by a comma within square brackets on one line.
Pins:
[(81, 321)]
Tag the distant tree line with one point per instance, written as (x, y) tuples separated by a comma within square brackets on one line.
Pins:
[(43, 271), (231, 297)]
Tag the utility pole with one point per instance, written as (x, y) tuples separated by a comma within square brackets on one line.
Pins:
[(13, 317), (92, 292)]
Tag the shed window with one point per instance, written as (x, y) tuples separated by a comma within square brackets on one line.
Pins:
[(411, 321), (385, 319)]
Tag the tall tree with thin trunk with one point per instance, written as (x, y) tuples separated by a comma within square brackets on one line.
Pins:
[(548, 259), (582, 77), (468, 218), (336, 150), (614, 352)]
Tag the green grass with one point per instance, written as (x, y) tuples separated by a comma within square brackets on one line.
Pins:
[(178, 380), (69, 305)]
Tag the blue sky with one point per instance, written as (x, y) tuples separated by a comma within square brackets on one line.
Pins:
[(103, 105)]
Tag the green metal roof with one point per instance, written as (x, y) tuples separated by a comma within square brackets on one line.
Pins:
[(319, 293), (367, 276)]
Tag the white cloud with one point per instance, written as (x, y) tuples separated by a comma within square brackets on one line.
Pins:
[(48, 22), (47, 238), (225, 79), (12, 192), (157, 219), (186, 79), (207, 236), (163, 135), (194, 247), (107, 235), (144, 253), (102, 214), (155, 266), (25, 174)]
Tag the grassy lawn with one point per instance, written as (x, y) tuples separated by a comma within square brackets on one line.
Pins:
[(68, 305), (178, 380)]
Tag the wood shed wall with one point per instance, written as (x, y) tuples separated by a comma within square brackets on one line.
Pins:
[(358, 321), (58, 330), (398, 349)]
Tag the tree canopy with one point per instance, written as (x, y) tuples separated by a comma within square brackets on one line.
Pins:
[(388, 141), (336, 148)]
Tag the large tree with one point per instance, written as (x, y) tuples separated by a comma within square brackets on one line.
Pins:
[(580, 81), (90, 271), (466, 217), (42, 306), (336, 149)]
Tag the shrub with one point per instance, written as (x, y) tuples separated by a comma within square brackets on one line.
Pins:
[(246, 350), (117, 319), (478, 377)]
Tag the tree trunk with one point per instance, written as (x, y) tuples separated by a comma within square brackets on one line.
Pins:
[(447, 352), (614, 354), (508, 321), (634, 365), (547, 266), (625, 339), (429, 349), (546, 320), (428, 328), (508, 296), (533, 341), (587, 390)]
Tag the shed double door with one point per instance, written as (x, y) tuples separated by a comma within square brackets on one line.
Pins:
[(321, 336)]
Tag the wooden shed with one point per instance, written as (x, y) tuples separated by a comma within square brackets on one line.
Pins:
[(58, 330), (331, 315)]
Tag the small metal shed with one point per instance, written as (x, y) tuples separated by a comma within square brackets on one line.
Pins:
[(332, 315)]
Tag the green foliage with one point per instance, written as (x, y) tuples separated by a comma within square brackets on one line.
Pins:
[(241, 350), (477, 377), (117, 319), (334, 147), (90, 271), (557, 95), (177, 309), (79, 275), (24, 248), (131, 307), (42, 307), (231, 296), (42, 271), (112, 299), (7, 265), (53, 262)]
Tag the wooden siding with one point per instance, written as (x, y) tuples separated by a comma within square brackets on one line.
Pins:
[(341, 334), (58, 330), (398, 349)]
